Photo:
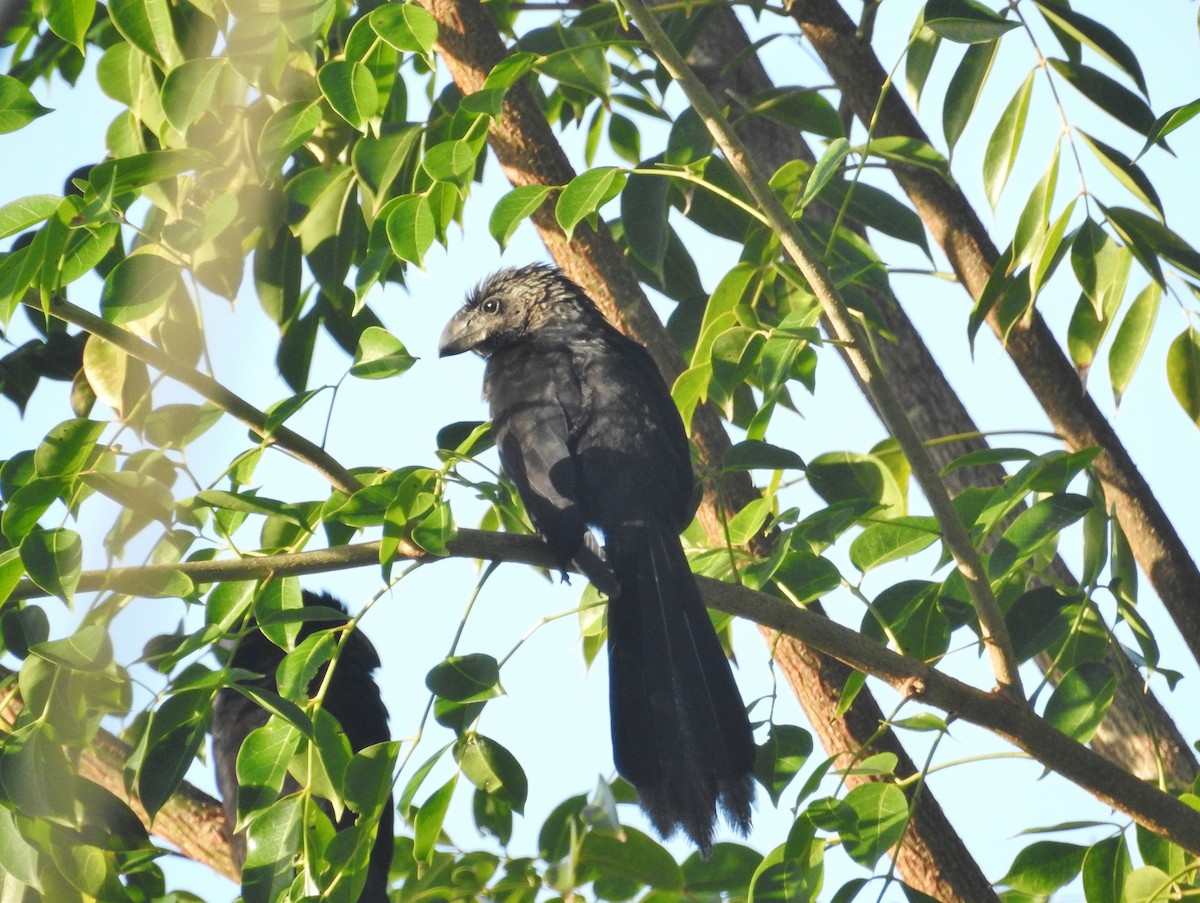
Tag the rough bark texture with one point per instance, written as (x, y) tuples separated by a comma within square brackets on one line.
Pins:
[(192, 820), (529, 154), (954, 225), (1138, 733)]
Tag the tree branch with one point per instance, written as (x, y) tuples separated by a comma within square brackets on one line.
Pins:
[(207, 387), (191, 820), (1155, 810), (953, 223)]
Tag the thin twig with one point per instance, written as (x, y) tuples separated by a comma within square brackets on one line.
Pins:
[(293, 443)]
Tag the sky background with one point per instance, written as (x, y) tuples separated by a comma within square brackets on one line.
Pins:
[(554, 716)]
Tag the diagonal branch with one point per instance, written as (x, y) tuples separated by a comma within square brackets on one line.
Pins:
[(293, 443), (470, 45), (1138, 733), (955, 226), (191, 820), (1155, 810)]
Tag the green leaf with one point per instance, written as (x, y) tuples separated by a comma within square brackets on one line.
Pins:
[(138, 170), (635, 858), (429, 819), (1034, 527), (67, 448), (18, 106), (752, 454), (512, 209), (882, 811), (88, 649), (406, 27), (1149, 239), (411, 228), (1131, 339), (450, 161), (1005, 141), (1096, 36), (966, 84), (1169, 122), (350, 90), (1036, 619), (1044, 867), (136, 492), (179, 425), (1148, 885), (188, 90), (913, 151), (891, 540), (586, 194), (1108, 94), (71, 19), (465, 678), (1126, 172), (380, 355), (781, 757), (138, 287), (147, 25), (18, 215), (923, 45), (1107, 865), (844, 476), (1183, 372), (262, 765), (644, 208), (53, 559), (826, 168), (493, 769), (1080, 702), (573, 56), (285, 131), (965, 21)]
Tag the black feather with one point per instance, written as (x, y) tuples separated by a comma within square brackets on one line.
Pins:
[(587, 431), (352, 698)]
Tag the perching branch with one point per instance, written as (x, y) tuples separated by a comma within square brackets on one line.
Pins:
[(866, 366), (1155, 810)]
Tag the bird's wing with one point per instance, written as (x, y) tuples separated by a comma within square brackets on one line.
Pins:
[(530, 399)]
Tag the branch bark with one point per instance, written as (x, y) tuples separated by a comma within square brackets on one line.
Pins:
[(1156, 810), (953, 223), (1138, 733), (191, 820)]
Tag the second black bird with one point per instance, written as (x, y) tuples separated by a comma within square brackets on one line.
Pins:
[(588, 432)]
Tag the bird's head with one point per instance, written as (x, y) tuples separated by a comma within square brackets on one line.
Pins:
[(512, 304)]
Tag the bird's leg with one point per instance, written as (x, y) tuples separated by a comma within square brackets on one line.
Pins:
[(590, 562)]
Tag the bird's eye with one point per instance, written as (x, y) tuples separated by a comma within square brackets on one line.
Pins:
[(491, 306)]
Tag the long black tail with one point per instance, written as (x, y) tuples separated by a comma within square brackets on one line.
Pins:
[(680, 731)]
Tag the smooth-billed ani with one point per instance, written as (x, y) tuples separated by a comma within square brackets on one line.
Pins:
[(587, 431), (352, 698)]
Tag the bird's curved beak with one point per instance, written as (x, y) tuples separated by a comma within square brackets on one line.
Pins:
[(460, 334)]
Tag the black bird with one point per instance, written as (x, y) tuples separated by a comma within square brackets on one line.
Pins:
[(587, 431), (352, 698)]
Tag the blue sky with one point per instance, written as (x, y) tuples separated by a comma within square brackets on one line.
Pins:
[(554, 717)]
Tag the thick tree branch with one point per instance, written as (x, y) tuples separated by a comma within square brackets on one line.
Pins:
[(207, 387), (191, 820), (1157, 811), (954, 225), (1138, 733)]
